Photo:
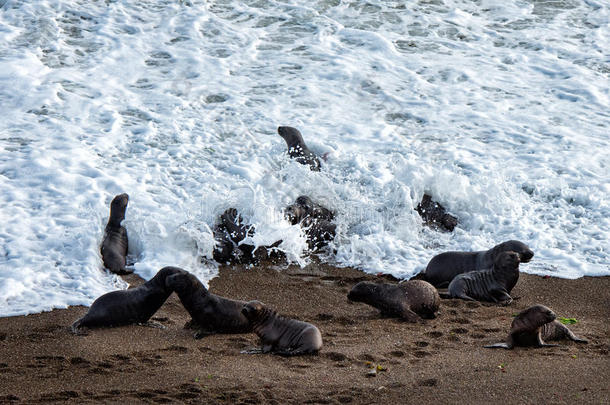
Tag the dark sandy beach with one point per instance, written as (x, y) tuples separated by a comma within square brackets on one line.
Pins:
[(435, 361)]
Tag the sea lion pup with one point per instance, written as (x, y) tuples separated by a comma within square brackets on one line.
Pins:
[(229, 234), (124, 307), (493, 284), (279, 335), (211, 313), (534, 325), (410, 300), (314, 219), (114, 245), (297, 149), (445, 266), (304, 207), (435, 215)]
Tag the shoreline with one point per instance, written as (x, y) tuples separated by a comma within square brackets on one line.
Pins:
[(439, 360)]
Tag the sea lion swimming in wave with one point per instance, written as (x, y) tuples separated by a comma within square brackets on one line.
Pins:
[(115, 243), (435, 215), (297, 149)]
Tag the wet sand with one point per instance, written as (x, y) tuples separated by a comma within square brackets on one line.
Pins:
[(435, 361)]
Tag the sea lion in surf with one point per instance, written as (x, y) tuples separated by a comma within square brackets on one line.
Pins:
[(114, 245), (410, 300), (229, 234), (210, 313), (492, 285), (435, 215), (443, 267), (304, 207), (534, 325), (314, 218), (279, 335), (297, 149), (135, 305)]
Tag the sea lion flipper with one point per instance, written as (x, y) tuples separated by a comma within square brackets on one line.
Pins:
[(409, 315), (548, 345), (77, 329), (201, 333), (151, 324), (254, 350)]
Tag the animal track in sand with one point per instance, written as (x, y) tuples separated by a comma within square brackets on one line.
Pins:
[(434, 334), (429, 382), (421, 353), (422, 343), (459, 330)]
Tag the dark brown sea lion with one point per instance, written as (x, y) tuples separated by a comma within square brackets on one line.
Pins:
[(279, 335), (435, 215), (493, 284), (135, 305), (211, 313), (314, 219), (445, 266), (297, 148), (410, 300), (305, 207), (534, 325), (114, 246), (229, 235)]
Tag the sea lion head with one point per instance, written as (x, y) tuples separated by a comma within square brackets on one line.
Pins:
[(507, 260), (525, 253), (118, 206), (292, 136), (536, 316), (362, 291), (294, 213), (254, 310)]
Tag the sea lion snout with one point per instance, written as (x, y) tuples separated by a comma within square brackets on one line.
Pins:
[(285, 131), (526, 256), (252, 308), (120, 201)]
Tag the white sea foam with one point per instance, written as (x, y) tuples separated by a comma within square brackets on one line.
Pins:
[(499, 110)]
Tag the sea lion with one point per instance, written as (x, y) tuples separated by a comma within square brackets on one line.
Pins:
[(493, 284), (229, 235), (305, 207), (135, 305), (445, 266), (319, 232), (534, 325), (279, 335), (435, 215), (297, 149), (114, 245), (410, 300), (211, 313)]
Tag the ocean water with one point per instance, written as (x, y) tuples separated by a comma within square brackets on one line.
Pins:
[(498, 109)]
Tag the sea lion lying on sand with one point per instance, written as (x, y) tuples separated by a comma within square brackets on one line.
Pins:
[(124, 307), (279, 335), (409, 300), (297, 148), (445, 266), (211, 313), (493, 285), (534, 325), (115, 243)]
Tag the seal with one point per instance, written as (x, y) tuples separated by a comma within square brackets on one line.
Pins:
[(443, 267), (534, 325), (435, 215), (493, 284), (114, 245), (229, 234), (305, 207), (211, 313), (297, 149), (135, 305), (410, 300), (279, 335)]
